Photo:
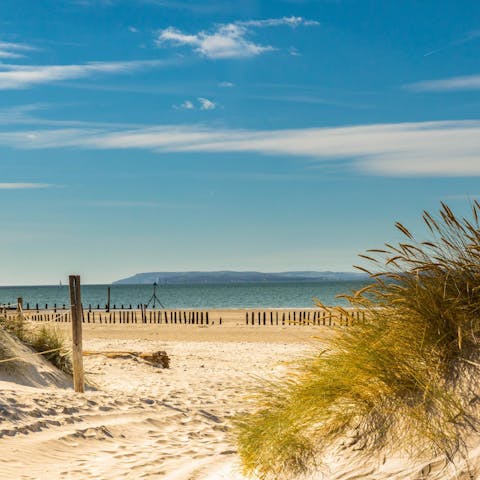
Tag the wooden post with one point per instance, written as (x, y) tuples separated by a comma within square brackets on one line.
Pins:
[(77, 314), (108, 299), (19, 304)]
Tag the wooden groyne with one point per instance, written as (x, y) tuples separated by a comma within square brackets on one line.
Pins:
[(268, 317), (318, 317), (124, 316)]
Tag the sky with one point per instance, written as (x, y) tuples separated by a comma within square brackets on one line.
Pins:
[(175, 135)]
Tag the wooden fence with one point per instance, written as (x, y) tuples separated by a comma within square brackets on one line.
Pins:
[(301, 317), (123, 316), (314, 317)]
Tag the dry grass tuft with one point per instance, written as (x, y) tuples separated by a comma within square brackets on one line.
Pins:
[(402, 378), (40, 339)]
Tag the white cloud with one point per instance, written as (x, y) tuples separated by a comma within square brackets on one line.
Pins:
[(226, 84), (14, 50), (206, 104), (227, 40), (450, 148), (186, 105), (468, 82), (276, 22), (294, 52), (23, 186), (133, 29), (203, 104), (24, 76)]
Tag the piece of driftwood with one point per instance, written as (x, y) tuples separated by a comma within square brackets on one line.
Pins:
[(157, 359)]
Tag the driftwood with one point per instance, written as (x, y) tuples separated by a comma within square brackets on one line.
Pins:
[(157, 359)]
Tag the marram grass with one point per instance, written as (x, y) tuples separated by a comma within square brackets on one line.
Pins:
[(403, 379), (43, 338)]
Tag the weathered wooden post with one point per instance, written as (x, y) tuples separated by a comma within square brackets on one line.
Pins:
[(108, 299), (77, 314), (19, 304)]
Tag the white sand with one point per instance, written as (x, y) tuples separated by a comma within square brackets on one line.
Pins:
[(144, 422)]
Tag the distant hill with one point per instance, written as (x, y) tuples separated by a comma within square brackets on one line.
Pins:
[(237, 277)]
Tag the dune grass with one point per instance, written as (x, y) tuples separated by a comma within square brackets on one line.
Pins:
[(404, 379), (44, 338)]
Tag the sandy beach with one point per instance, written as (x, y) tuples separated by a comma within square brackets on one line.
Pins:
[(143, 421)]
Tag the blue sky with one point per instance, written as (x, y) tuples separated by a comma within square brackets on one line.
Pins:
[(144, 135)]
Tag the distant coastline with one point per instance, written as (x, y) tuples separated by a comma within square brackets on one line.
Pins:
[(227, 276)]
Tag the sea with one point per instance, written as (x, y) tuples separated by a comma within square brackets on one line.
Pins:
[(195, 296)]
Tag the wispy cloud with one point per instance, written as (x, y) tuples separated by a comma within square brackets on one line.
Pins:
[(127, 203), (468, 37), (186, 105), (203, 104), (24, 76), (227, 40), (206, 104), (209, 7), (226, 84), (467, 82), (23, 186), (276, 22), (14, 50), (450, 148), (294, 52), (25, 115)]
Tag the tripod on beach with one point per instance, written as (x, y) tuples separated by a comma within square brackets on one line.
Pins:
[(154, 297)]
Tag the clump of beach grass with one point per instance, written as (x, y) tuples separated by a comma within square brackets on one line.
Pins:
[(44, 338), (52, 341), (15, 326), (404, 379)]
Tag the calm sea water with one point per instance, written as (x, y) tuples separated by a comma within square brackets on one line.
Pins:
[(274, 295)]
